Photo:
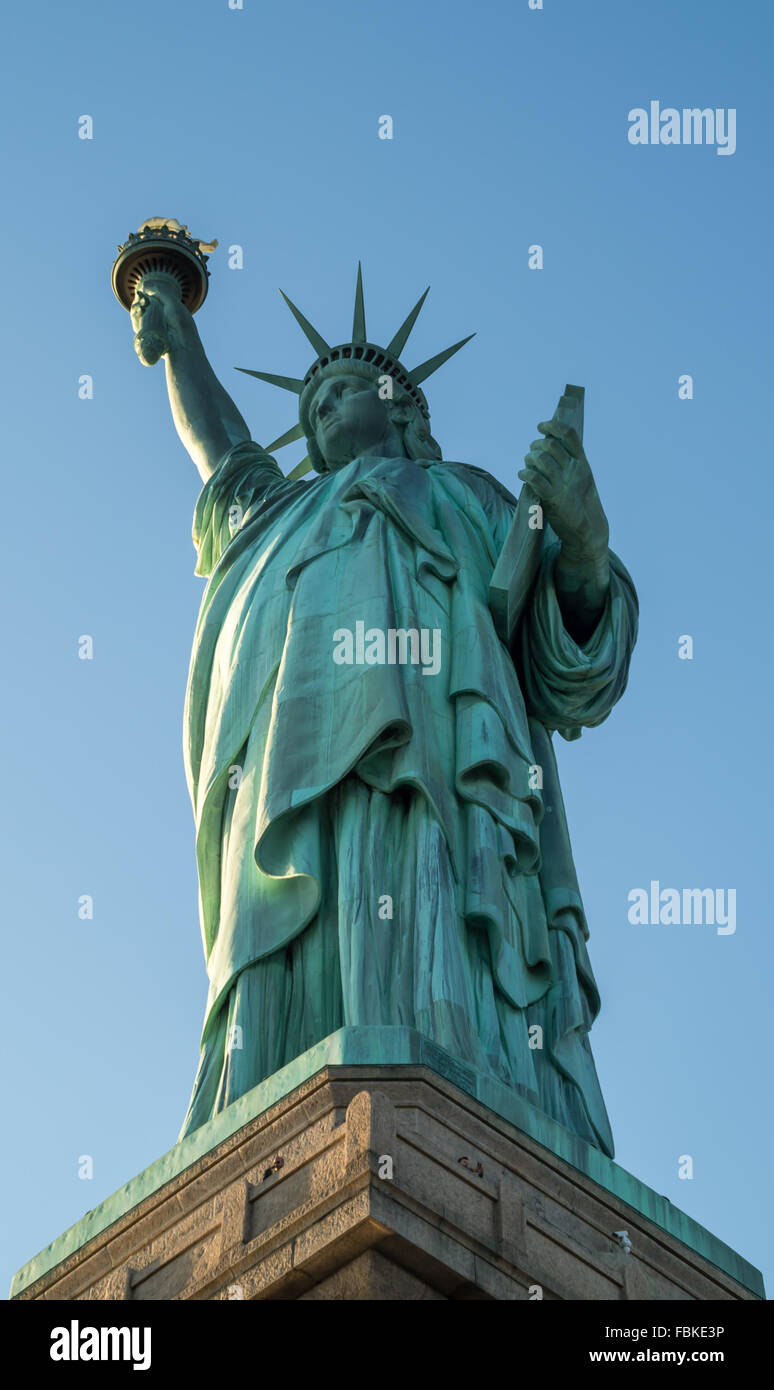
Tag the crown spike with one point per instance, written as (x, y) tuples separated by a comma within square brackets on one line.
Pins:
[(288, 383), (426, 369), (358, 323), (289, 437), (305, 466), (319, 344), (395, 348)]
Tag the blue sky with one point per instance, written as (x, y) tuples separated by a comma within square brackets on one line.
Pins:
[(260, 127)]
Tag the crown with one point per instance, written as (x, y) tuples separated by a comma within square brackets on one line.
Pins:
[(163, 244), (333, 360)]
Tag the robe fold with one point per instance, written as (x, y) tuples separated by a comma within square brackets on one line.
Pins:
[(378, 843)]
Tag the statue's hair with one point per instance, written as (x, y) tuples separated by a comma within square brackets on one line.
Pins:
[(417, 439)]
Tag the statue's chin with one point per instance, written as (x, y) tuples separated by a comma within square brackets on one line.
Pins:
[(381, 448), (349, 451)]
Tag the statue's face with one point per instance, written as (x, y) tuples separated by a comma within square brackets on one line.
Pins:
[(349, 418)]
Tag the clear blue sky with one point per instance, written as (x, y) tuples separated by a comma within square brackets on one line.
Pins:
[(259, 127)]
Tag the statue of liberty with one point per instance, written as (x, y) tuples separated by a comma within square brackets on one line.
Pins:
[(380, 836)]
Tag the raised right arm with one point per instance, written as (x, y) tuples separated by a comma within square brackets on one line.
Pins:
[(204, 415)]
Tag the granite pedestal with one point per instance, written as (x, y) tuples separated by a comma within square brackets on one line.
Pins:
[(343, 1179)]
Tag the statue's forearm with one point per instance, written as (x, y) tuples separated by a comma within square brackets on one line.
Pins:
[(204, 415), (581, 582)]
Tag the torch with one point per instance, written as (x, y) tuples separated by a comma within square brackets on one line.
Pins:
[(160, 251)]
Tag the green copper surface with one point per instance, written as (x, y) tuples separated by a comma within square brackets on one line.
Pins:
[(382, 656)]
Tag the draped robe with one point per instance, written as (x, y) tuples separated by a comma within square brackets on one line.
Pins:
[(374, 844)]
